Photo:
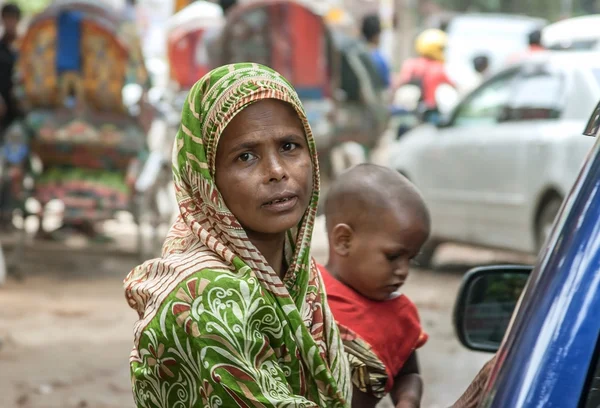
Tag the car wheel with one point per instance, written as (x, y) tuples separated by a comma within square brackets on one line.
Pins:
[(545, 220), (425, 257)]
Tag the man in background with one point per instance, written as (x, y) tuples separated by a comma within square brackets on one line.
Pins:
[(534, 40), (481, 67), (371, 31), (11, 16)]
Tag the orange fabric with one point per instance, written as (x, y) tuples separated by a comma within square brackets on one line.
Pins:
[(391, 328)]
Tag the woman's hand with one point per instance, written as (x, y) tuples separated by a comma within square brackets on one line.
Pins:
[(472, 396)]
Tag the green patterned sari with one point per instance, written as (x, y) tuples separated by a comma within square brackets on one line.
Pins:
[(217, 326)]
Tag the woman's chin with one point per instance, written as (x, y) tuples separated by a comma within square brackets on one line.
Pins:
[(276, 225)]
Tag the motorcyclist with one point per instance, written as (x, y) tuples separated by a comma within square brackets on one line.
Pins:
[(421, 76)]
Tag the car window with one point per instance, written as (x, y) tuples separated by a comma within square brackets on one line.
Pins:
[(484, 106), (536, 96)]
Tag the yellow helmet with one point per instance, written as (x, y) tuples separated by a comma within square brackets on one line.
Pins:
[(431, 44)]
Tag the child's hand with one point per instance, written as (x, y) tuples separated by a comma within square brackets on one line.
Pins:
[(408, 391), (410, 403)]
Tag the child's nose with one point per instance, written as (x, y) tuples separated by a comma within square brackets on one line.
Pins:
[(401, 270)]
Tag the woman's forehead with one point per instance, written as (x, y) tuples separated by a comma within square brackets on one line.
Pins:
[(272, 110), (264, 115)]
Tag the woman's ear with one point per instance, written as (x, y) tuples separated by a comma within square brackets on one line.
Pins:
[(341, 239)]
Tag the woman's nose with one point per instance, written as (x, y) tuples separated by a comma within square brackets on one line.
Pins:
[(275, 168)]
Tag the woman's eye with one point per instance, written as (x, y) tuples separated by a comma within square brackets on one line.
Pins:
[(288, 147), (244, 157)]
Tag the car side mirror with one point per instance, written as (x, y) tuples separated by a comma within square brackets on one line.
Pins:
[(485, 305)]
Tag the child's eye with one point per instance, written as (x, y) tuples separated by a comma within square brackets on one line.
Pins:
[(393, 257), (244, 157)]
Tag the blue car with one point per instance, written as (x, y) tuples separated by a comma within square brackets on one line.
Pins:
[(544, 321)]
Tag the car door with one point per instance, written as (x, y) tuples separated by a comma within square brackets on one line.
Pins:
[(454, 162), (507, 154)]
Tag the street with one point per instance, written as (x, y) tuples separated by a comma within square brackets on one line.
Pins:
[(66, 329)]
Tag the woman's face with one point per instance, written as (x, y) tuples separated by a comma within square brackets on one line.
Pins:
[(264, 169)]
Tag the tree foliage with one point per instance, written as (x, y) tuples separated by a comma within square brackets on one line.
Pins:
[(31, 6)]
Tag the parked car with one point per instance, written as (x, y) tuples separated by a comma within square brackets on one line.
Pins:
[(578, 33), (495, 173), (543, 320)]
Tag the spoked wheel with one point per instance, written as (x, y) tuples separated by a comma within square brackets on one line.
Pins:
[(147, 221), (154, 208)]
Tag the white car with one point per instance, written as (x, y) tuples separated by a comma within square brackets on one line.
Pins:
[(578, 33), (495, 173)]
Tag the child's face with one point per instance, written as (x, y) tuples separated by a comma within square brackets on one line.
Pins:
[(378, 258), (264, 168)]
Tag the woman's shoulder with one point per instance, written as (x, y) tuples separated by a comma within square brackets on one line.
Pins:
[(148, 285)]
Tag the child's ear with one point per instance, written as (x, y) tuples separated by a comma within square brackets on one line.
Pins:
[(341, 239)]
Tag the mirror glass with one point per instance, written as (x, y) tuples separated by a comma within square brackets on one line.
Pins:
[(490, 302)]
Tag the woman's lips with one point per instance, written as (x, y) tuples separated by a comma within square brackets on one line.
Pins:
[(281, 204)]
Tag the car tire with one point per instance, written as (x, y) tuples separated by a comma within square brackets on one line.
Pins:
[(425, 257), (545, 220)]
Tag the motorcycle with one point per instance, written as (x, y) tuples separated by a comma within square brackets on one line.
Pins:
[(407, 111)]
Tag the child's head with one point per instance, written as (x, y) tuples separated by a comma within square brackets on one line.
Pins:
[(377, 222)]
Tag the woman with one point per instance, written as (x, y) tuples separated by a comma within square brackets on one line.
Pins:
[(234, 313)]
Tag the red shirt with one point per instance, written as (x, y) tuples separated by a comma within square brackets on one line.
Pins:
[(432, 74), (392, 328)]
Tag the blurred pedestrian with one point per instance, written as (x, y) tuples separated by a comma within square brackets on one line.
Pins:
[(9, 110), (420, 77), (11, 16), (371, 31), (534, 41), (481, 67)]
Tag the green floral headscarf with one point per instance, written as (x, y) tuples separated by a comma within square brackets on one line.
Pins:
[(218, 327)]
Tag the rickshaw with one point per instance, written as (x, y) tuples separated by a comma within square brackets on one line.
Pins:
[(82, 83), (330, 69), (188, 60)]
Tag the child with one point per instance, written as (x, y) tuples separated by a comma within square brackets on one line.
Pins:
[(376, 224)]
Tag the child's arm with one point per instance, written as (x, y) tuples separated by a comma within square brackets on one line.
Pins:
[(408, 385)]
